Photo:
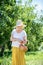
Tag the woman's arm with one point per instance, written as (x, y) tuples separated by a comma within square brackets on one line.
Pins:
[(15, 39), (24, 40)]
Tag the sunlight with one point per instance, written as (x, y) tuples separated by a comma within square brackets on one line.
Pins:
[(39, 7)]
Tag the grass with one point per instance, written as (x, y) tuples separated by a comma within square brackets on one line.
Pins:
[(31, 59), (36, 59)]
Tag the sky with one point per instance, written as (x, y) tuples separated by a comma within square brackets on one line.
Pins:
[(38, 2), (38, 8)]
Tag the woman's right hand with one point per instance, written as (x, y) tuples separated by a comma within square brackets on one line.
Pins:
[(20, 41), (15, 39)]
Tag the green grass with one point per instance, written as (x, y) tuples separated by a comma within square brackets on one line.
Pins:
[(31, 59), (35, 56), (34, 59)]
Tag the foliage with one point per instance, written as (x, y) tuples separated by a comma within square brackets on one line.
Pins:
[(10, 12), (31, 59)]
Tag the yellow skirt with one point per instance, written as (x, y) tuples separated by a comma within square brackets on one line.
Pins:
[(18, 56)]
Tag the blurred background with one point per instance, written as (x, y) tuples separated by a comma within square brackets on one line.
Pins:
[(31, 13)]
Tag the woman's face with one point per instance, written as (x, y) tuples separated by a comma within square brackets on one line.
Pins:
[(19, 28)]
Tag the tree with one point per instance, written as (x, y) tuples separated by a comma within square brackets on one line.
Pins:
[(10, 12)]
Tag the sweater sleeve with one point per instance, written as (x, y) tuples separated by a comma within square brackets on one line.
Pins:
[(24, 34), (12, 33)]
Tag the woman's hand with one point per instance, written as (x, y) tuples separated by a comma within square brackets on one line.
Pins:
[(20, 41), (15, 39), (24, 41)]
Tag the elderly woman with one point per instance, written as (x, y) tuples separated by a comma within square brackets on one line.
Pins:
[(19, 39)]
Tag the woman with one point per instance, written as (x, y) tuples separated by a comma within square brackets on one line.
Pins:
[(18, 38)]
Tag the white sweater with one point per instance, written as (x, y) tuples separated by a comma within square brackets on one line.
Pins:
[(19, 36)]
